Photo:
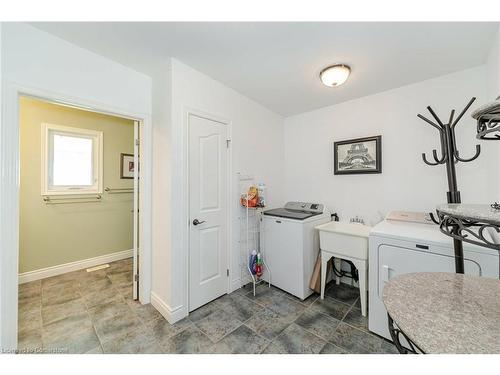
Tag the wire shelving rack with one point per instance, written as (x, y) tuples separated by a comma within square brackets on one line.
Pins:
[(251, 235)]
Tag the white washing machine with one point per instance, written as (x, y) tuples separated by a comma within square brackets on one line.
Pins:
[(290, 245), (397, 247)]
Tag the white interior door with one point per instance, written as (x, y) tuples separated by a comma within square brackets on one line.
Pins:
[(136, 212), (208, 271)]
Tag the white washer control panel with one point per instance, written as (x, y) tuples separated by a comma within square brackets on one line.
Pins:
[(305, 206)]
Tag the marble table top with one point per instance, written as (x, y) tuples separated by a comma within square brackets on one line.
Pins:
[(446, 312), (479, 212)]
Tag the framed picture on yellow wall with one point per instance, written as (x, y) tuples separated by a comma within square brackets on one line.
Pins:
[(127, 166)]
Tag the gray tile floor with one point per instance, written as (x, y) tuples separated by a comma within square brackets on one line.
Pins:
[(82, 312)]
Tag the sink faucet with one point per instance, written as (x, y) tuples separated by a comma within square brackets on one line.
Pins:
[(357, 220)]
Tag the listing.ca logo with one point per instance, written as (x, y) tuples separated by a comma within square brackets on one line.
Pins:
[(36, 350)]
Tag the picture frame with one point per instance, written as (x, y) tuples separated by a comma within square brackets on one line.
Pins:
[(358, 156), (127, 166)]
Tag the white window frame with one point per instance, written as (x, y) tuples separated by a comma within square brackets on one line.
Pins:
[(97, 156)]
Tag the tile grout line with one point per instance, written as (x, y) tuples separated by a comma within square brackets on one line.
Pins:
[(80, 283), (322, 338), (256, 333), (92, 322), (87, 310), (241, 323), (41, 318), (344, 322), (156, 341), (306, 309), (309, 309), (39, 330), (124, 300), (327, 341), (256, 306), (288, 325), (203, 333)]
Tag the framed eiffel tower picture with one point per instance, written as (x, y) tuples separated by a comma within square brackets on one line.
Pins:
[(358, 156)]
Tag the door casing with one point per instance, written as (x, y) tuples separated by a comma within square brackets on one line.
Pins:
[(9, 199), (229, 258), (136, 212)]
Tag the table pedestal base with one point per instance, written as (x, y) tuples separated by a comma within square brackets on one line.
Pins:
[(396, 333)]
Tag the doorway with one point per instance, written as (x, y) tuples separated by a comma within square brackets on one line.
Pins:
[(208, 165), (79, 221)]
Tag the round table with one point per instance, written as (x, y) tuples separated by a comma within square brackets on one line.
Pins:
[(473, 223), (441, 312)]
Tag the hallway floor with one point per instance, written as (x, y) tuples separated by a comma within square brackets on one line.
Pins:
[(82, 312)]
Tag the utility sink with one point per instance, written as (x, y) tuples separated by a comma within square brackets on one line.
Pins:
[(349, 239)]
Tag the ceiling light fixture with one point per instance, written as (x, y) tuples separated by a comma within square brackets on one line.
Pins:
[(335, 75)]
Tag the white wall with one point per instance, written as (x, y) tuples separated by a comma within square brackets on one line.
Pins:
[(406, 183), (257, 148), (38, 59), (39, 62), (2, 254), (162, 184), (493, 68), (493, 76)]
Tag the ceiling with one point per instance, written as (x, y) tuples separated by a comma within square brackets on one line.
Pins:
[(277, 64)]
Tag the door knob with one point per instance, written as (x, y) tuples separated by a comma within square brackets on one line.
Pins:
[(197, 222)]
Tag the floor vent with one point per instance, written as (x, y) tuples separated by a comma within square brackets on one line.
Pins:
[(102, 266)]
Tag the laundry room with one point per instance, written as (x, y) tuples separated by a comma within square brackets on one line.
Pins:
[(372, 220), (358, 191)]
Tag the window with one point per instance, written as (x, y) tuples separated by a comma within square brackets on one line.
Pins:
[(71, 160)]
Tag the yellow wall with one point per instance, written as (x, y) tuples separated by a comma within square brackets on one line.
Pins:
[(54, 234)]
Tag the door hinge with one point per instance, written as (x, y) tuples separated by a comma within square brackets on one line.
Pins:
[(228, 142), (227, 272), (137, 142), (136, 278)]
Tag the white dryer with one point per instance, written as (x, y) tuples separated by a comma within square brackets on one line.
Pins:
[(290, 245), (397, 247)]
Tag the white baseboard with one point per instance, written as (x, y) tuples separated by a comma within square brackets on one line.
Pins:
[(172, 315), (73, 266)]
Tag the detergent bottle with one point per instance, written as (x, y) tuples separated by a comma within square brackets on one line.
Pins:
[(252, 262), (258, 268)]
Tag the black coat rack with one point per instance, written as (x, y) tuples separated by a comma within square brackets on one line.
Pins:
[(450, 156)]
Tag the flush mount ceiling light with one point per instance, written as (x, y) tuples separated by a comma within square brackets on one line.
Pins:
[(335, 75)]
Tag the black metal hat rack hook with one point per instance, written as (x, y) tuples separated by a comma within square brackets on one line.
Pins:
[(449, 152), (450, 156)]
